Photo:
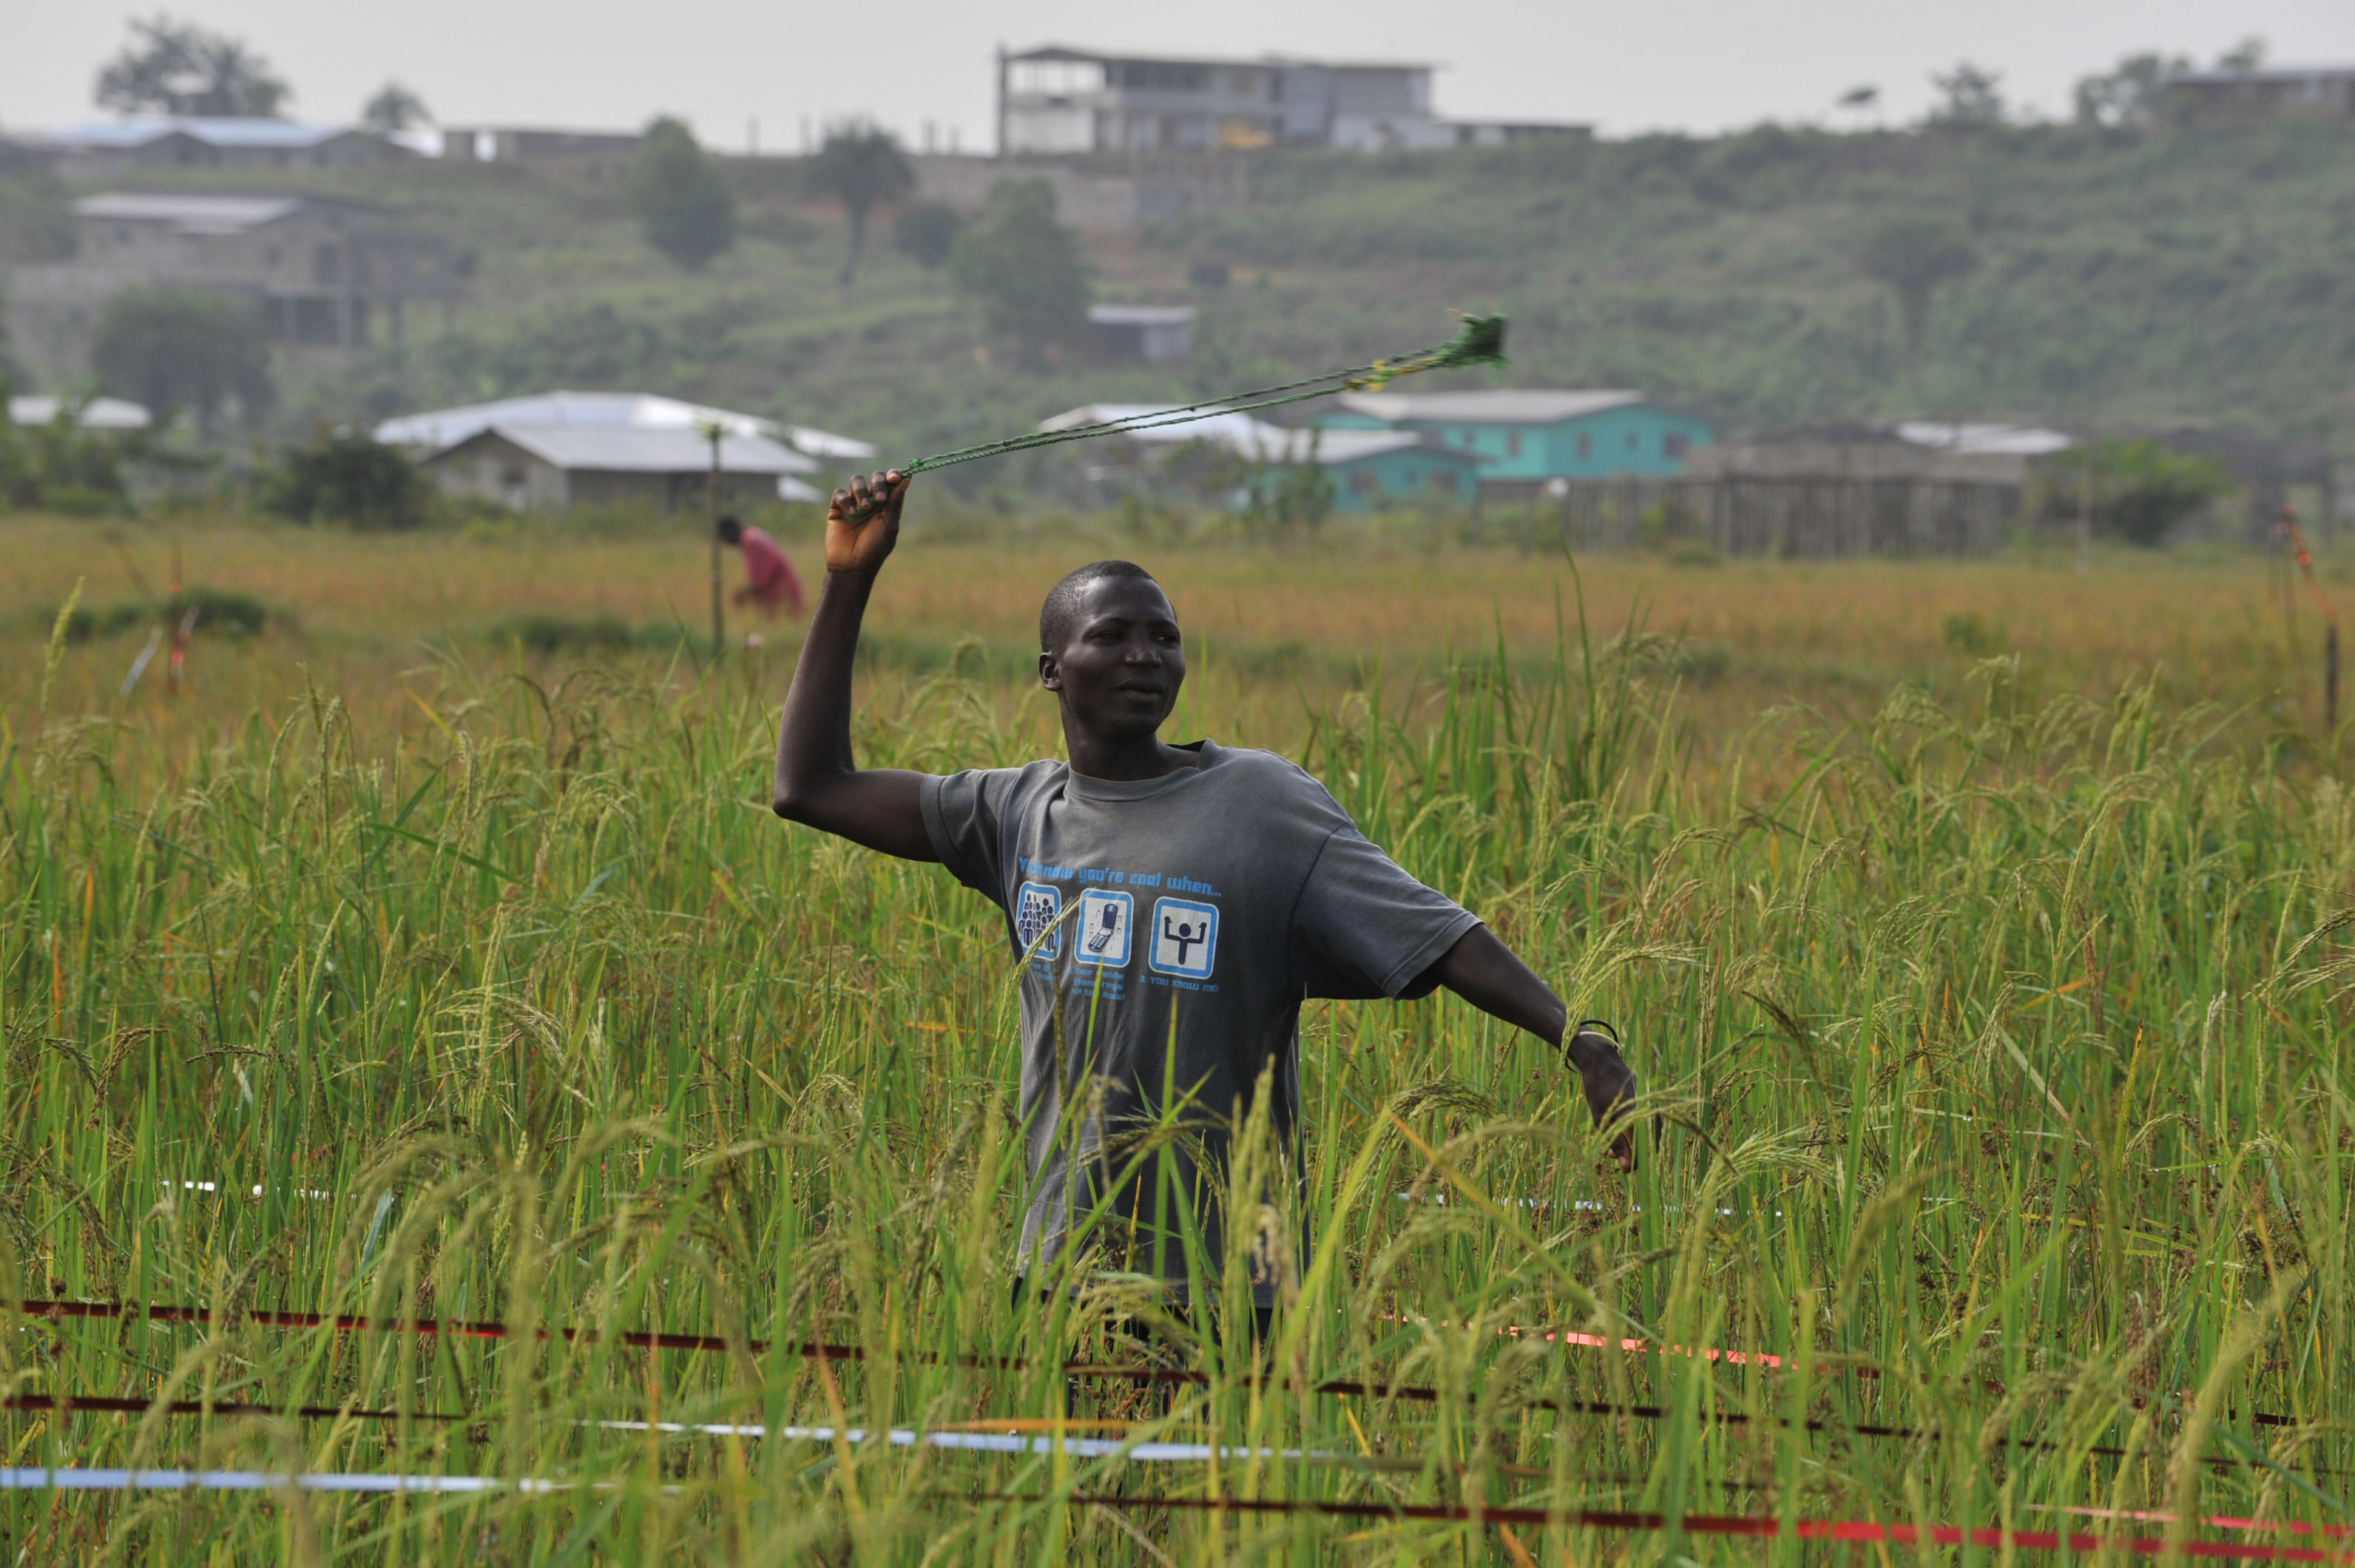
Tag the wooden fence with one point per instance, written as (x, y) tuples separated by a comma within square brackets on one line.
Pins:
[(1810, 518)]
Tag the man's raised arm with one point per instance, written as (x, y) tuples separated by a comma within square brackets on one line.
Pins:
[(818, 782)]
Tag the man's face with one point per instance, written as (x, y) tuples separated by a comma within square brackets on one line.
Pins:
[(1119, 670)]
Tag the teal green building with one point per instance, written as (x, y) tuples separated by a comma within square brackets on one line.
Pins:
[(1372, 470), (1530, 435)]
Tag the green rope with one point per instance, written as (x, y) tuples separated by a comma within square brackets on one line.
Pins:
[(1481, 341)]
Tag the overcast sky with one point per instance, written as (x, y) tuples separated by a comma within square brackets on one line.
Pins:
[(1700, 65)]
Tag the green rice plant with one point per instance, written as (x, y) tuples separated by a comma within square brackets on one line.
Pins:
[(1998, 1124)]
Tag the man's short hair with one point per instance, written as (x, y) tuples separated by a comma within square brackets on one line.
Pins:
[(730, 530), (1063, 601)]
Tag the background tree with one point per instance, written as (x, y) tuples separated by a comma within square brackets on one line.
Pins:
[(184, 347), (1860, 101), (394, 107), (1024, 268), (686, 209), (37, 221), (180, 69), (2130, 95), (1969, 99), (2247, 55), (344, 476), (1914, 256), (928, 233), (860, 165), (2142, 491)]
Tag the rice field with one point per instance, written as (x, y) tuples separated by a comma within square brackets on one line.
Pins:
[(1982, 935)]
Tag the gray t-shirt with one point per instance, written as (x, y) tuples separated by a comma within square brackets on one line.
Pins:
[(1209, 903)]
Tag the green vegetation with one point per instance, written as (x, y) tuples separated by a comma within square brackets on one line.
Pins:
[(1024, 268), (927, 234), (860, 165), (2123, 275), (393, 107), (1914, 256), (181, 69), (61, 468), (342, 476), (1996, 1044), (193, 349), (2137, 491), (688, 210)]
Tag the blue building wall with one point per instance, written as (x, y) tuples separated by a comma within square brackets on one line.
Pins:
[(1635, 439), (1416, 476)]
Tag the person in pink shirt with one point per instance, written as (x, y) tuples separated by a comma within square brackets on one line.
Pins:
[(770, 577)]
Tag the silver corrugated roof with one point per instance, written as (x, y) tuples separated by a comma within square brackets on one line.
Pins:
[(612, 449), (194, 214), (1141, 315), (1255, 439), (217, 130), (1501, 405), (443, 428)]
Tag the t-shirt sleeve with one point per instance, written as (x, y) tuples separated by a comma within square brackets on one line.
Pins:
[(964, 815), (1365, 928)]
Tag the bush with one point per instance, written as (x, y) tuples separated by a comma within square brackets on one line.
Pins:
[(2142, 490), (61, 468), (184, 347), (1973, 635), (1024, 268), (344, 476), (688, 210), (219, 612), (928, 234)]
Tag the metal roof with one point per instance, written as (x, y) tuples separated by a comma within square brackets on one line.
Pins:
[(214, 132), (192, 214), (1502, 405), (1227, 429), (608, 410), (1253, 439), (610, 449), (2007, 439), (1065, 52), (1141, 315), (99, 414)]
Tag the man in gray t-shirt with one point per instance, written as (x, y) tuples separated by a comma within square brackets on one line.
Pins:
[(1174, 905)]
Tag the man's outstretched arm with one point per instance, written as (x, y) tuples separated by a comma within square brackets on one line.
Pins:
[(1486, 973), (818, 782)]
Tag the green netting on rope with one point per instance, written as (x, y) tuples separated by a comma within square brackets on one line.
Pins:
[(1481, 341)]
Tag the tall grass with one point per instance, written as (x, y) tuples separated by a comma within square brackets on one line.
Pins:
[(1994, 1073)]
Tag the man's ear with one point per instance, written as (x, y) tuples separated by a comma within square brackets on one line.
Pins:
[(1051, 675)]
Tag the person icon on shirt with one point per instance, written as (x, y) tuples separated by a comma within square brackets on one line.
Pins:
[(1185, 933)]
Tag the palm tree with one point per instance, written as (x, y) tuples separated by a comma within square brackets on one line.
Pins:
[(860, 165)]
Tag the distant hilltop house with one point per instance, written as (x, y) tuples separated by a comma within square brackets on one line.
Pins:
[(322, 272), (1058, 102), (126, 146), (533, 144), (1528, 437), (1142, 334), (1369, 467), (558, 450), (2224, 98)]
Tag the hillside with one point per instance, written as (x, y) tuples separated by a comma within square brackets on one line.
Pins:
[(2116, 276)]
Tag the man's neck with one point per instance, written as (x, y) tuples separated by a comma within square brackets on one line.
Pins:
[(1126, 761)]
